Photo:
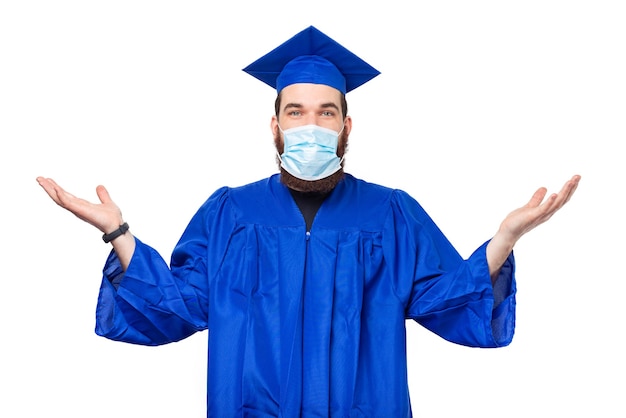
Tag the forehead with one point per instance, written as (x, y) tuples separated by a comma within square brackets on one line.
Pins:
[(307, 94)]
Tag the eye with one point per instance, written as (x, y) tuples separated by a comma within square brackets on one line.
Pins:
[(294, 113), (328, 113)]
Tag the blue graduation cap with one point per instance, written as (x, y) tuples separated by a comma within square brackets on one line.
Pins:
[(312, 57)]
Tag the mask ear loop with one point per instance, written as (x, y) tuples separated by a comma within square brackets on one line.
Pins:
[(280, 159), (343, 125), (338, 135), (277, 154)]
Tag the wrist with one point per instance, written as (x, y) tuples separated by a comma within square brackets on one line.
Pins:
[(115, 234)]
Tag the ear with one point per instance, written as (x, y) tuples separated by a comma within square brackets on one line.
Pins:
[(347, 125), (274, 125)]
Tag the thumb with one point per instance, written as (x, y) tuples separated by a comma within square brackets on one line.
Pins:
[(103, 194)]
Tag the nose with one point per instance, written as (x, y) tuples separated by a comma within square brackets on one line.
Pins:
[(311, 119)]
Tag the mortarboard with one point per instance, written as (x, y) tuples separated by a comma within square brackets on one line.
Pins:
[(312, 57)]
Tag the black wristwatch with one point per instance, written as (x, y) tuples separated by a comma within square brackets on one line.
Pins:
[(118, 232)]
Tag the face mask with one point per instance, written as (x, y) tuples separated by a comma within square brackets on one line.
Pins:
[(310, 152)]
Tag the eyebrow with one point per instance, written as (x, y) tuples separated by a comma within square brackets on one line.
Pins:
[(292, 106), (330, 104)]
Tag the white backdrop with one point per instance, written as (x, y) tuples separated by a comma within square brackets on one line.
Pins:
[(479, 103)]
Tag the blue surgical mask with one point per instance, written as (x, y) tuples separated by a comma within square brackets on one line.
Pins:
[(310, 152)]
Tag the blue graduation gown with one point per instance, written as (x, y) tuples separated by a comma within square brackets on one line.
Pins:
[(307, 324)]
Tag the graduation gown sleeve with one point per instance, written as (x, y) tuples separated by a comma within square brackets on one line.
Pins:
[(452, 297), (153, 303)]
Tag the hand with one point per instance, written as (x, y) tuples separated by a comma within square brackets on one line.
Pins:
[(536, 211), (525, 219), (105, 216)]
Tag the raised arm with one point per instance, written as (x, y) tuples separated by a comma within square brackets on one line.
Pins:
[(523, 220), (106, 215)]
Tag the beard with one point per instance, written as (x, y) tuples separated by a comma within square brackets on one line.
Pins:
[(325, 185)]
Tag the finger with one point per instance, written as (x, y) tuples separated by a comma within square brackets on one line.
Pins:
[(103, 195), (566, 192), (45, 182), (67, 200), (570, 187), (52, 185), (50, 188), (551, 205), (537, 197)]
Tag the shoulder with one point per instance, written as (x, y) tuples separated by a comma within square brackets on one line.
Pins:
[(370, 205), (244, 192), (256, 192), (375, 194), (261, 202), (353, 185)]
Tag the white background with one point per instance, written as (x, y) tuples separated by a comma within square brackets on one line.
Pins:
[(479, 103)]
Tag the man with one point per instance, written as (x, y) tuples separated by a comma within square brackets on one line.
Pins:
[(305, 279)]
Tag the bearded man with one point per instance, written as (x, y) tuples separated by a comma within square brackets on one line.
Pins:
[(305, 279)]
